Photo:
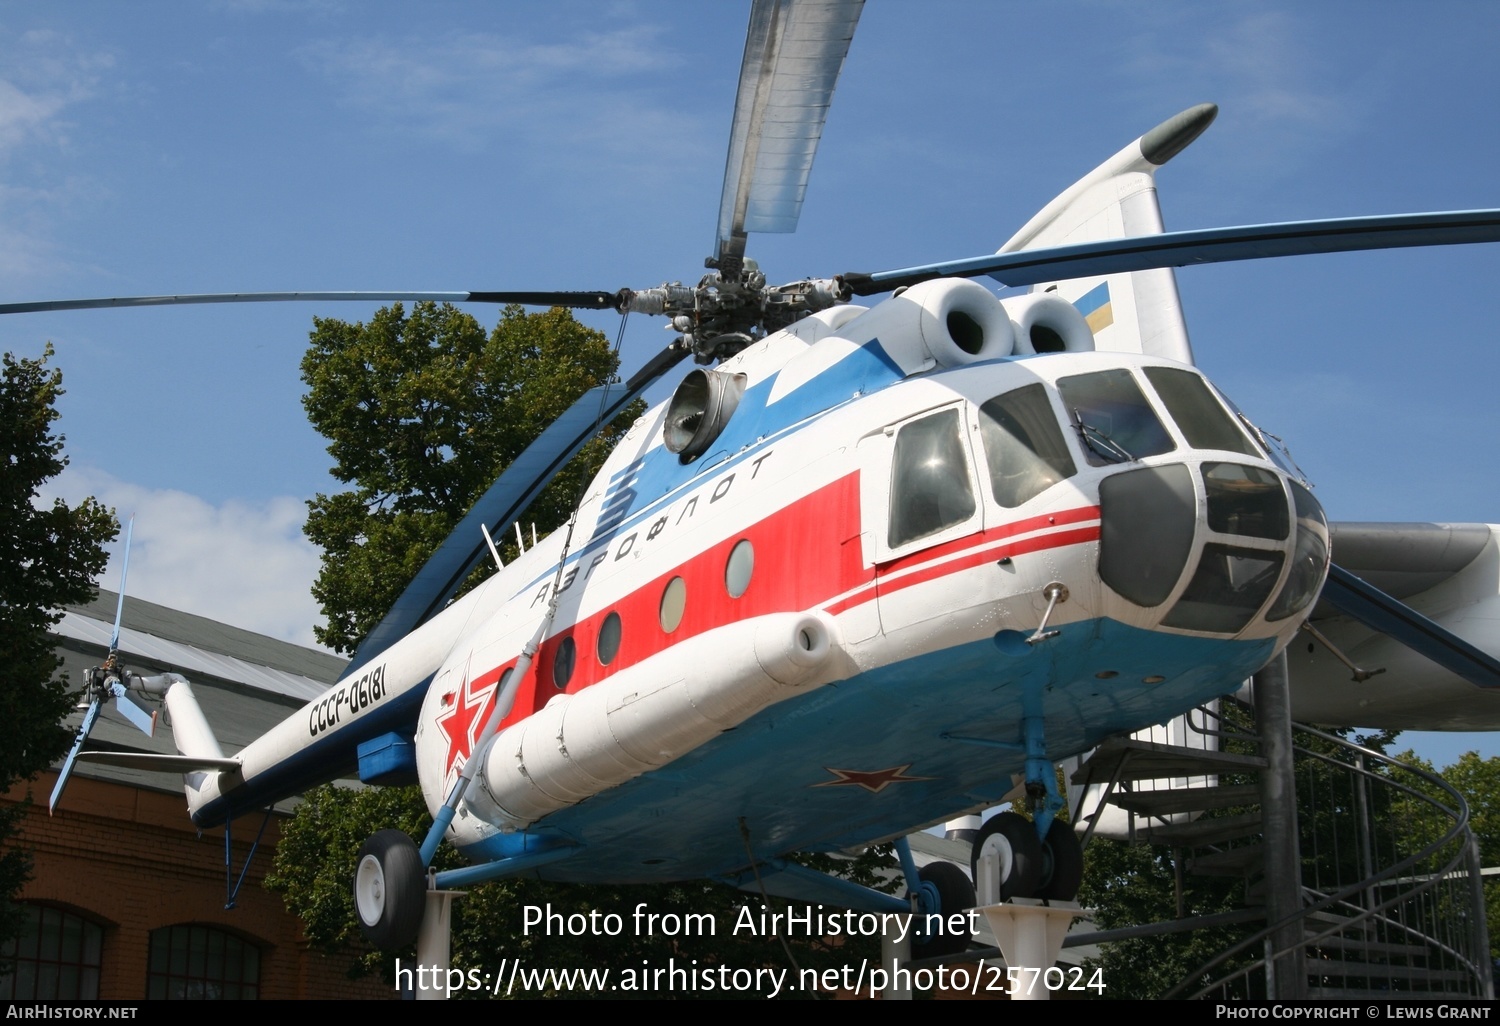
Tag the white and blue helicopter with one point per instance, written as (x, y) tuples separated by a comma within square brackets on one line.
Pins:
[(864, 565)]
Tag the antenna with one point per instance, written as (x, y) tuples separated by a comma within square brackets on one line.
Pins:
[(499, 564)]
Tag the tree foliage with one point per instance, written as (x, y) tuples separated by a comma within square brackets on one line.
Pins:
[(422, 411), (1478, 780), (50, 554)]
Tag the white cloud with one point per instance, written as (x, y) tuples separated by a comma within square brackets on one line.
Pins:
[(1264, 58), (241, 563), (1261, 67), (256, 7), (42, 75), (470, 89)]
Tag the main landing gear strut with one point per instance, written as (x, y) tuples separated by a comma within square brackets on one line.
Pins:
[(1014, 857)]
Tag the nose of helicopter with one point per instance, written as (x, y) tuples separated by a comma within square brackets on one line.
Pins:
[(1212, 546)]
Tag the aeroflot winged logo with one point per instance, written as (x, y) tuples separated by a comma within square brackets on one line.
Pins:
[(463, 719)]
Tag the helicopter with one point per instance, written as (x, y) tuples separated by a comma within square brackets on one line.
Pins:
[(891, 590)]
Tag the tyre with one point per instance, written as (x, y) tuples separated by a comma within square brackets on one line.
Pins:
[(955, 893), (390, 889), (1064, 858), (1020, 850)]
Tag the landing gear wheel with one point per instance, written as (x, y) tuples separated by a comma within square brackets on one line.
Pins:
[(389, 890), (955, 893), (1064, 858), (1014, 838)]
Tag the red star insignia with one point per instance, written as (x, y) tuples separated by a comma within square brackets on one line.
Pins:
[(463, 720), (873, 781)]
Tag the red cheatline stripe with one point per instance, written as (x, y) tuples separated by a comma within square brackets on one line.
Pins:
[(986, 554)]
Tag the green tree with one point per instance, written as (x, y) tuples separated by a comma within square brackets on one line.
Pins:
[(422, 411), (1478, 780), (50, 555)]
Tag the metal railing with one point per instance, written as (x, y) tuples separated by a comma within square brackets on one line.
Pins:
[(1393, 903), (1391, 897)]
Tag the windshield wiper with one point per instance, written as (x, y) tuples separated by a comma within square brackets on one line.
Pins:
[(1106, 447)]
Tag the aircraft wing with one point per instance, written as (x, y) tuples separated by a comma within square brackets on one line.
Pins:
[(515, 489), (1420, 602)]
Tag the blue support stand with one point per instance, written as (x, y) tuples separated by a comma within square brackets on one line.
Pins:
[(232, 888)]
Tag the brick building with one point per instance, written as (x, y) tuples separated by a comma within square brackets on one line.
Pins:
[(127, 896)]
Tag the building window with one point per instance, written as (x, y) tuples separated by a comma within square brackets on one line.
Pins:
[(201, 962), (56, 956)]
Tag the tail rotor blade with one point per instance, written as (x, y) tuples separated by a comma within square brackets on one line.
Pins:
[(67, 770), (114, 639), (144, 722)]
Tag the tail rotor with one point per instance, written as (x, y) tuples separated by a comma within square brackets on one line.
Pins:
[(105, 682)]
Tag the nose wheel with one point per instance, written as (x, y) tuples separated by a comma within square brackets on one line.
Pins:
[(1006, 859), (1010, 861), (1062, 858), (389, 890)]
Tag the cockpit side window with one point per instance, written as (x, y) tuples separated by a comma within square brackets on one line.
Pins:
[(1114, 421), (1204, 422), (930, 487), (1023, 445)]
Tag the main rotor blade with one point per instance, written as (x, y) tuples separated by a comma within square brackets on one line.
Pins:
[(1203, 246), (67, 770), (794, 51), (114, 638), (516, 488), (1374, 608), (573, 300)]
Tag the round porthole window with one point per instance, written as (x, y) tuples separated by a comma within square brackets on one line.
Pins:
[(562, 662), (673, 604), (739, 568), (609, 639)]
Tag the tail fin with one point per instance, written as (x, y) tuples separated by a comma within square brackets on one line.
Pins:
[(1133, 312)]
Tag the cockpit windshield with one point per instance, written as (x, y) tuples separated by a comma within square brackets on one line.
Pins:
[(1114, 421), (1203, 420)]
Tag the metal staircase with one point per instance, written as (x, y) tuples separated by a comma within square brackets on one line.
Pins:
[(1388, 904)]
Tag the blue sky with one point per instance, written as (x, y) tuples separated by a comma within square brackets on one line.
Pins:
[(277, 145)]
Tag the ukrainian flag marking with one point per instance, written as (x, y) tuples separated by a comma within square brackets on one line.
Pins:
[(1096, 308)]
